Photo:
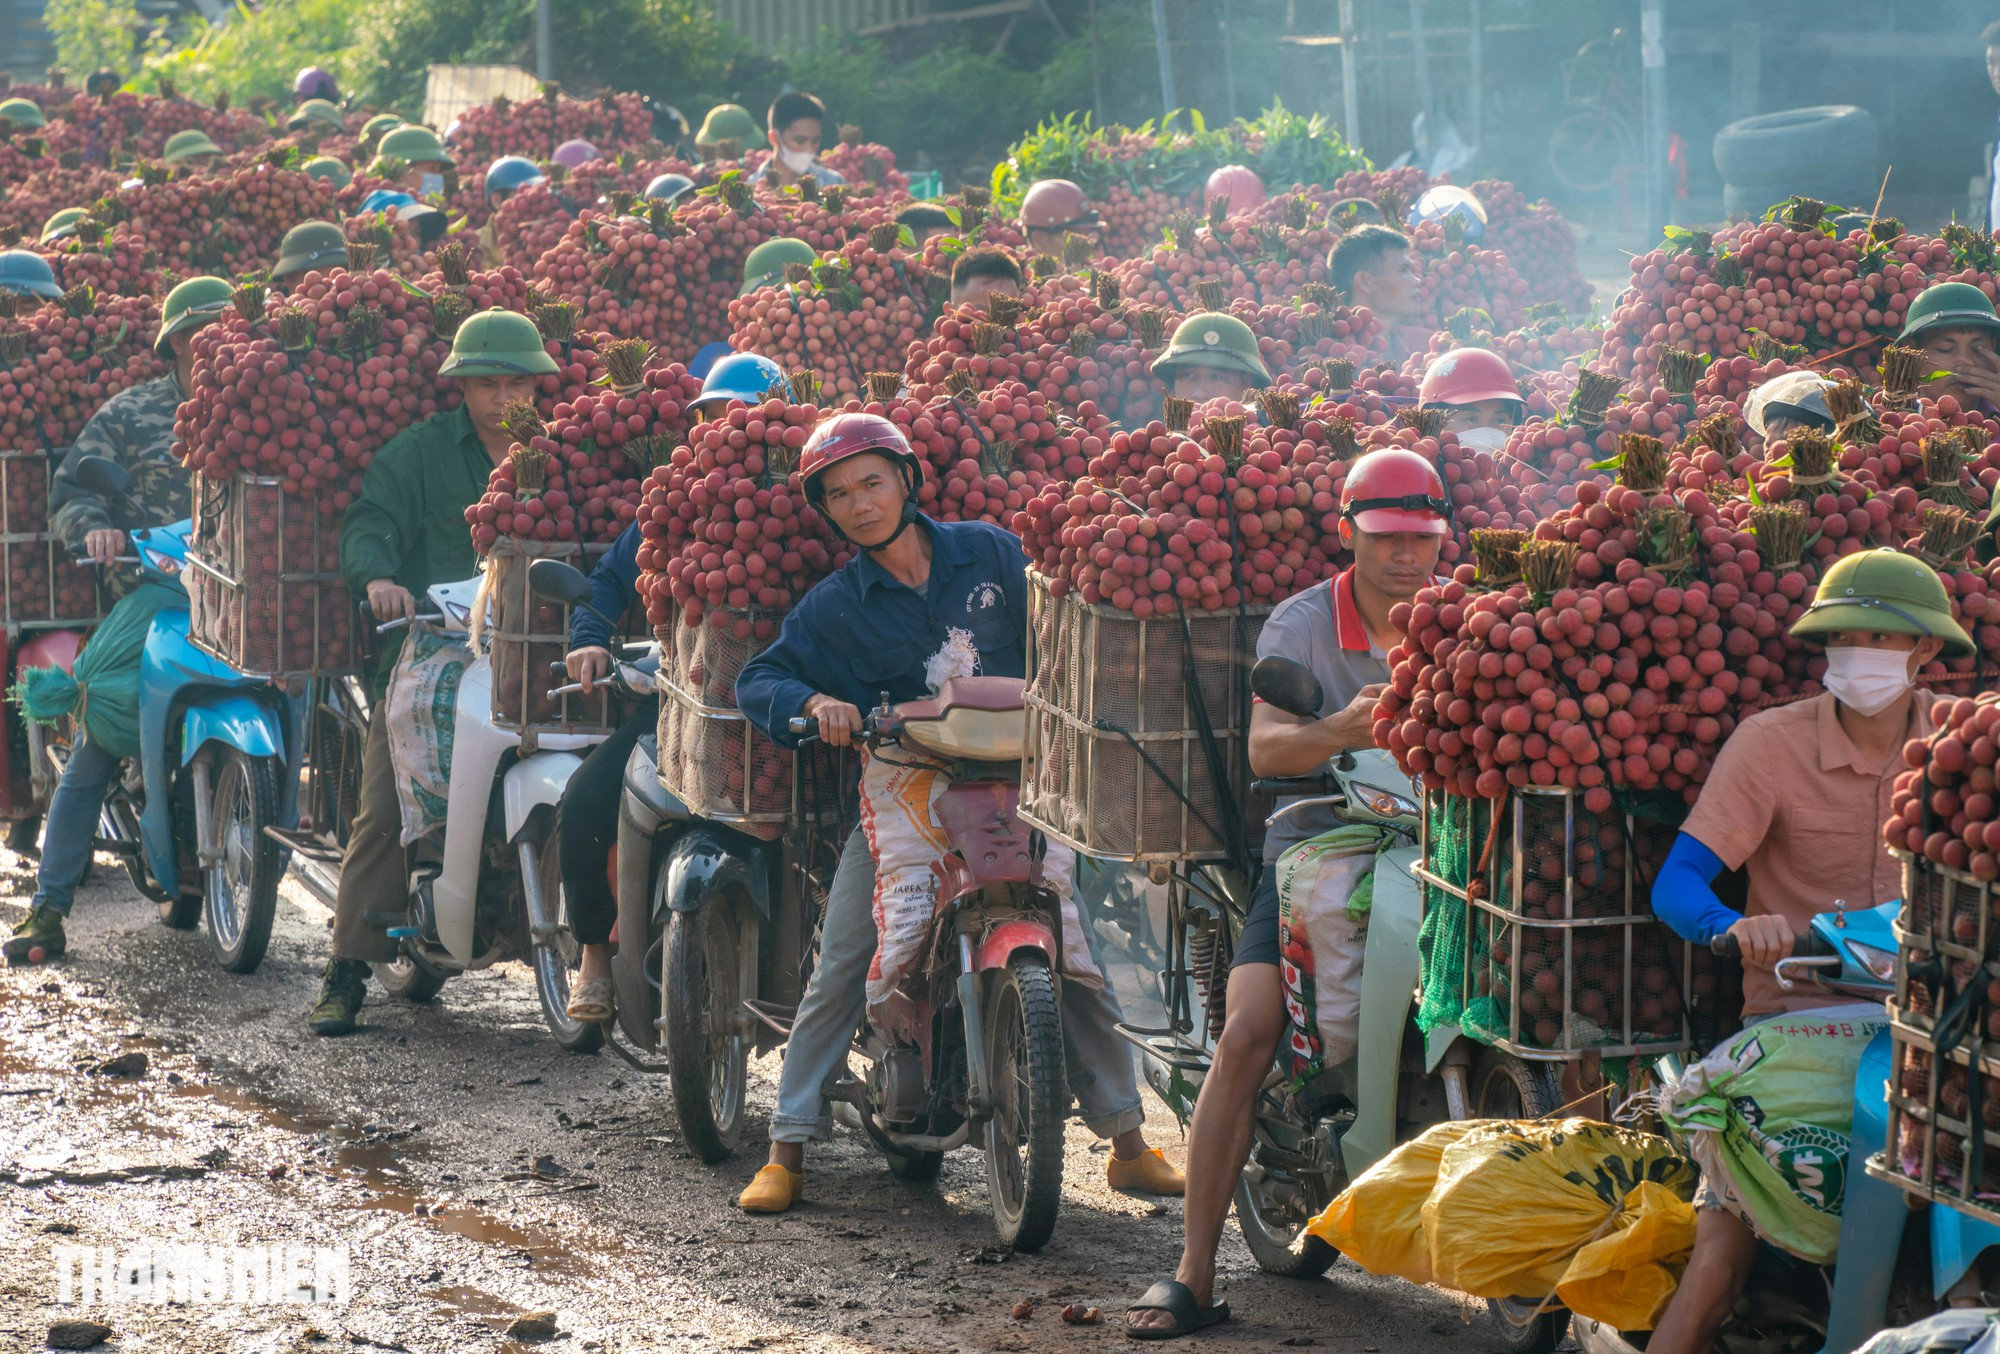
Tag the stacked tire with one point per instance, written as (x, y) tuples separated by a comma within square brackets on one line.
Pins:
[(1829, 151)]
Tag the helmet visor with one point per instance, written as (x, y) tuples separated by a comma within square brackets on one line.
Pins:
[(1420, 513)]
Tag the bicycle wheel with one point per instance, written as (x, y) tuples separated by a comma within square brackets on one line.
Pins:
[(1588, 148)]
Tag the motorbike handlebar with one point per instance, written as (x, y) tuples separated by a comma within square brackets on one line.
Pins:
[(387, 626), (1809, 944), (1319, 784)]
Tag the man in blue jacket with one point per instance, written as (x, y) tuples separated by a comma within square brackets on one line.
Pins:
[(922, 601)]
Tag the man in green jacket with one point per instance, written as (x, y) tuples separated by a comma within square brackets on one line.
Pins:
[(405, 533)]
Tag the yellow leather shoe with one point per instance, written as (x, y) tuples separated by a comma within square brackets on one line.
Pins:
[(1149, 1173), (774, 1190)]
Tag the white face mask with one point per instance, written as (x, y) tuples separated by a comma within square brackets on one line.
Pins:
[(1867, 680), (1484, 439), (430, 185), (798, 161)]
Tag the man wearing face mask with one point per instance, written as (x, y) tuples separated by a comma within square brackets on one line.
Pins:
[(1882, 615), (418, 158), (1477, 387), (796, 124)]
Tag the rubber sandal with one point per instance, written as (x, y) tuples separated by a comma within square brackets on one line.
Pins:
[(1176, 1299), (590, 1001)]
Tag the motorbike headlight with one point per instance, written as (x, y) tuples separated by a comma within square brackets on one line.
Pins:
[(1880, 963), (165, 563), (1380, 802)]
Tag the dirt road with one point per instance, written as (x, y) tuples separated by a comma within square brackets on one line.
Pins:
[(473, 1173)]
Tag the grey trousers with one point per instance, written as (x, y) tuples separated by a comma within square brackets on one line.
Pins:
[(1100, 1062)]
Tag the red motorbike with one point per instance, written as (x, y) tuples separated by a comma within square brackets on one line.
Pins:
[(976, 1054)]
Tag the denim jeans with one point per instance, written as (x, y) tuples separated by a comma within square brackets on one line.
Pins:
[(70, 828), (1100, 1062)]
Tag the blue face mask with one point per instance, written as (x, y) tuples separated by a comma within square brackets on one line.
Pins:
[(431, 185)]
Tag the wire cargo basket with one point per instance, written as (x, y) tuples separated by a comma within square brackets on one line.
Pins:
[(525, 635), (45, 584), (1117, 764), (711, 757), (1944, 1079), (265, 594), (24, 491), (1555, 953)]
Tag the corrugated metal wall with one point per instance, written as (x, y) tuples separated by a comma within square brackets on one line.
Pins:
[(774, 24)]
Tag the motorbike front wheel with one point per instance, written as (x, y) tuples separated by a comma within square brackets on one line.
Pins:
[(706, 1047), (1024, 1136), (240, 890), (1506, 1087), (1277, 1236), (557, 957), (408, 978)]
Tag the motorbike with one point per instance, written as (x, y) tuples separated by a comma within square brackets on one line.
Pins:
[(715, 923), (1880, 1280), (1309, 1142), (488, 886), (219, 757), (974, 1049)]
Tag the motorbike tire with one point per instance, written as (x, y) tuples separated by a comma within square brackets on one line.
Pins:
[(1516, 1332), (24, 835), (914, 1168), (710, 1058), (408, 978), (182, 913), (1503, 1086), (1277, 1246), (1024, 1136), (245, 802), (557, 958)]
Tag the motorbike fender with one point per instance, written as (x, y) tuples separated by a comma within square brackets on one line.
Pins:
[(234, 721), (50, 649), (702, 860), (478, 748), (1872, 1215), (1003, 941), (533, 783), (1388, 984)]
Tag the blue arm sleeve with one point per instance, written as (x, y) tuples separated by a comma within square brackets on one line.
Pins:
[(613, 584), (1683, 896), (768, 690)]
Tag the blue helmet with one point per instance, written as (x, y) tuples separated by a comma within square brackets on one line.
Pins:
[(1446, 202), (669, 186), (511, 172), (28, 274), (384, 199), (739, 376)]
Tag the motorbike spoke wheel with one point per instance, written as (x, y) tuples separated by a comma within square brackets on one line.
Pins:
[(1275, 1232), (408, 978), (1587, 149), (557, 958), (1024, 1135), (240, 890), (1521, 1329), (707, 1046)]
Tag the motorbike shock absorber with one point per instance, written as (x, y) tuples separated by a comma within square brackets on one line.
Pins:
[(1208, 960)]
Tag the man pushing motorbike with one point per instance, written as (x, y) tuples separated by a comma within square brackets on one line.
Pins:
[(1881, 616), (405, 532), (1393, 516), (921, 601)]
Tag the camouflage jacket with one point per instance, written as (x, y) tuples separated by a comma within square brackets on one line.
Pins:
[(136, 429)]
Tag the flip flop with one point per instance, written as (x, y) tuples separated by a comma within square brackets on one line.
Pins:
[(1176, 1299), (590, 1001)]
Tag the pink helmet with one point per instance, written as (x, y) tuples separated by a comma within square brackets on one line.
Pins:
[(845, 435), (1391, 490), (1466, 376), (570, 154), (1238, 183)]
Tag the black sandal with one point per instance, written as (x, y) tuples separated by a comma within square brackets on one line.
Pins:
[(1176, 1299)]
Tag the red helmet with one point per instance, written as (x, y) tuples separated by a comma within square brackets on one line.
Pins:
[(1238, 183), (845, 435), (1392, 490), (1466, 376), (1057, 204)]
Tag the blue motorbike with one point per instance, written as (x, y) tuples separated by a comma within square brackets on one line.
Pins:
[(220, 754), (1790, 1306)]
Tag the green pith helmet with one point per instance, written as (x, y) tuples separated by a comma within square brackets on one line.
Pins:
[(766, 265), (729, 122), (498, 342), (23, 113), (63, 224), (317, 110), (413, 145), (380, 125), (326, 167), (1883, 590), (196, 302), (1209, 339), (183, 146), (310, 244), (1948, 305)]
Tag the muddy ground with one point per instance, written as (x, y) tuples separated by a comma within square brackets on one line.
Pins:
[(475, 1172)]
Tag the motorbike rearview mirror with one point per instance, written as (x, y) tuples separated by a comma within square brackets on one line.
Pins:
[(103, 477), (1289, 686), (555, 581)]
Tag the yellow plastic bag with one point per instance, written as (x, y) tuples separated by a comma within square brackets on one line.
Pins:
[(1625, 1279), (1377, 1222), (1515, 1202)]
